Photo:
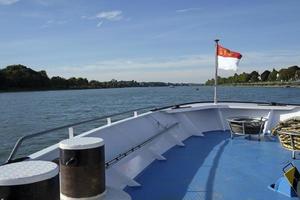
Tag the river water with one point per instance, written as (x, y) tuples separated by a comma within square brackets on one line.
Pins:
[(28, 112)]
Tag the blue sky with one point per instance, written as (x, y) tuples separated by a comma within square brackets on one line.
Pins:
[(157, 40)]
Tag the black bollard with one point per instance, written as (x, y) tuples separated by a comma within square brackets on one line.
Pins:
[(82, 168)]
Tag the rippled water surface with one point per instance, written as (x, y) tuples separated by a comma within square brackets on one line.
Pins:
[(27, 112)]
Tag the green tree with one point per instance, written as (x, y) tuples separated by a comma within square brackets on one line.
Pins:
[(288, 74), (208, 82), (273, 75), (2, 80), (265, 75), (254, 76), (244, 77), (59, 83), (297, 75), (19, 76), (82, 82)]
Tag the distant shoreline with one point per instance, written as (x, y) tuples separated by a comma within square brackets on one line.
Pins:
[(19, 78), (67, 89), (285, 77), (222, 85), (261, 84)]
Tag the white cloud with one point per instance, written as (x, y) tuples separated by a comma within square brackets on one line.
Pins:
[(8, 2), (187, 10), (114, 15)]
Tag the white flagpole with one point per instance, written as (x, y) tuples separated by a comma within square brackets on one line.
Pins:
[(216, 73)]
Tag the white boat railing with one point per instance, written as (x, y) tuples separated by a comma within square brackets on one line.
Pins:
[(70, 127)]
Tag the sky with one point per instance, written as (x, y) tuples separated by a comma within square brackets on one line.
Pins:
[(157, 40)]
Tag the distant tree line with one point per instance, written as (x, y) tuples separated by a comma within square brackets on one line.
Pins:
[(20, 77), (290, 74)]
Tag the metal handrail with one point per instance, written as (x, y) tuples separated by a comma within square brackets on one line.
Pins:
[(23, 138)]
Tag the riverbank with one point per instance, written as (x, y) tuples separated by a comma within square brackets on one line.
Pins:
[(70, 89), (66, 89), (259, 84), (266, 84)]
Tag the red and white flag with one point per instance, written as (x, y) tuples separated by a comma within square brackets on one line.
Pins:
[(227, 59)]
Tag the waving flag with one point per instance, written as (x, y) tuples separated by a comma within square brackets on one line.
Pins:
[(227, 59)]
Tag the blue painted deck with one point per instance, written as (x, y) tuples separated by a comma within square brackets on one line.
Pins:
[(215, 167)]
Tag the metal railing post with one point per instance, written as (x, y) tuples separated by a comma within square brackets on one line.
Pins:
[(71, 132), (108, 121)]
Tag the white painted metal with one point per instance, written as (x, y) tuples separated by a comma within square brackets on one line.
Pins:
[(188, 125), (221, 119), (71, 132), (268, 123), (97, 197), (124, 177), (116, 194), (157, 155), (110, 194), (290, 115), (193, 120), (81, 143), (27, 172), (108, 121)]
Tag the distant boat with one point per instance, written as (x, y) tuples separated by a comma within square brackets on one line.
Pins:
[(171, 86)]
